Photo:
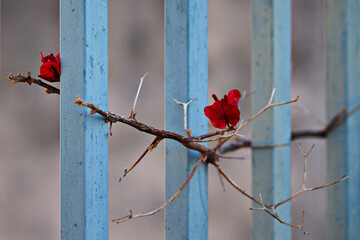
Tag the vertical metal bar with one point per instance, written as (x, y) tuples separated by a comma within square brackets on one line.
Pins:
[(84, 138), (186, 73), (0, 37), (271, 60), (343, 89)]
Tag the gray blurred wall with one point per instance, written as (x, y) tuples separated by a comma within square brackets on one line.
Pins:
[(29, 132)]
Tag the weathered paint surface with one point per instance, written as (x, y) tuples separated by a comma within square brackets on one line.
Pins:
[(84, 138), (186, 73), (343, 89), (271, 60)]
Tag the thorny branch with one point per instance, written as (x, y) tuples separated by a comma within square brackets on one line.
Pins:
[(20, 78), (207, 155), (111, 117), (150, 148), (274, 215), (130, 216), (303, 189), (240, 142)]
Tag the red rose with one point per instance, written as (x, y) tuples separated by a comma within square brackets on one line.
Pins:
[(224, 112), (50, 69)]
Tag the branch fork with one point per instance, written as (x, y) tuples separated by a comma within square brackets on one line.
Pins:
[(207, 155), (29, 80)]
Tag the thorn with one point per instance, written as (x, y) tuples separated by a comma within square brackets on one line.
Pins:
[(125, 172), (185, 105), (132, 114), (272, 96)]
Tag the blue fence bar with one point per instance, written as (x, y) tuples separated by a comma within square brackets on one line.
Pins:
[(186, 73), (84, 144), (271, 51), (343, 89)]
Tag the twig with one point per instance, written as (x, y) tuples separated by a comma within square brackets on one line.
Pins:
[(111, 117), (268, 106), (221, 171), (216, 139), (227, 157), (153, 145), (303, 186), (132, 114), (110, 128), (321, 133), (338, 119), (274, 215), (131, 216), (306, 156), (20, 78), (185, 106), (216, 133), (221, 182), (268, 207), (311, 189)]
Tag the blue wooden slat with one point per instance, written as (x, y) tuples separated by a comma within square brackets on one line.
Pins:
[(343, 89), (271, 51), (186, 74), (84, 144)]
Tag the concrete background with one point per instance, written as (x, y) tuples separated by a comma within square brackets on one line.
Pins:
[(29, 132)]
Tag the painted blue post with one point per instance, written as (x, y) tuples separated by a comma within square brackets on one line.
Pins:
[(271, 60), (84, 138), (186, 73), (343, 89)]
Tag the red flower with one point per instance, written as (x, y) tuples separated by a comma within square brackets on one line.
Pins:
[(224, 112), (50, 69)]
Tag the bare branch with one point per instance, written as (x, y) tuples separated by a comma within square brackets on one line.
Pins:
[(216, 133), (311, 189), (206, 153), (216, 139), (303, 187), (321, 133), (20, 78), (227, 157), (237, 144), (270, 105), (221, 171), (153, 145), (306, 155), (111, 117), (276, 216), (271, 209), (131, 216)]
